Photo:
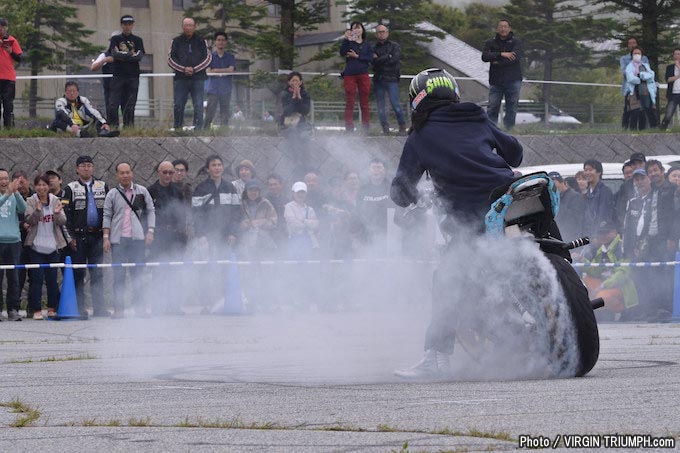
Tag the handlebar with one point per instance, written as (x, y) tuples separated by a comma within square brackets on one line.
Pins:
[(554, 244)]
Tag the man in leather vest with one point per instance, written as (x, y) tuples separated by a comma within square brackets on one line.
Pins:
[(84, 206)]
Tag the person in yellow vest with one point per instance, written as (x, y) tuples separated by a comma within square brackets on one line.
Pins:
[(74, 113), (613, 284)]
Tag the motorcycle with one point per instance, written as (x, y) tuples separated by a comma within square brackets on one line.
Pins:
[(516, 303)]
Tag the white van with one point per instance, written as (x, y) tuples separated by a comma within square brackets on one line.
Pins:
[(612, 172), (531, 112)]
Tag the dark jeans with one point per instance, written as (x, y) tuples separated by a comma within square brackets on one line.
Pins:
[(37, 276), (673, 102), (90, 129), (511, 93), (224, 101), (168, 289), (89, 251), (127, 251), (10, 254), (392, 89), (24, 274), (123, 93), (7, 92), (184, 87)]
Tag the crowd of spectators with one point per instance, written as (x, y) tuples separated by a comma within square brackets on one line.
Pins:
[(222, 217), (638, 223), (192, 61)]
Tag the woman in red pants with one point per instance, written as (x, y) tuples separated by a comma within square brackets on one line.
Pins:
[(358, 55)]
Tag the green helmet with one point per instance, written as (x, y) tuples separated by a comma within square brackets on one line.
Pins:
[(432, 84)]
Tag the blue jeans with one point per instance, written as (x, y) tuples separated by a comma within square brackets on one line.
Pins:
[(511, 93), (392, 89), (50, 276), (183, 87)]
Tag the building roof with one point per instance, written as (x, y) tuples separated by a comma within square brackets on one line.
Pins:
[(612, 46), (457, 54)]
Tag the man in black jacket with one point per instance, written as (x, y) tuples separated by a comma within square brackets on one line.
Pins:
[(169, 239), (189, 57), (216, 206), (505, 53), (386, 73), (673, 91), (127, 51)]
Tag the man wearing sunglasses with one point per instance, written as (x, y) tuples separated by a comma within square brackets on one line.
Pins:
[(170, 236)]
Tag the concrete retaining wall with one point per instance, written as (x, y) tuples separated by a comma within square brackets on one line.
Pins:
[(330, 154)]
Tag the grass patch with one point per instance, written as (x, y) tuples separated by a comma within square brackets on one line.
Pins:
[(28, 415), (133, 421), (341, 428), (474, 433), (57, 359), (385, 428), (234, 423)]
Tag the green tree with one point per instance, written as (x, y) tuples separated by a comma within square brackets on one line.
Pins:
[(552, 33), (246, 23), (295, 17), (241, 21), (50, 36), (473, 25), (402, 17), (652, 24)]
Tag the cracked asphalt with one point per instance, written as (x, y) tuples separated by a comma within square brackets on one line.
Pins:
[(307, 382)]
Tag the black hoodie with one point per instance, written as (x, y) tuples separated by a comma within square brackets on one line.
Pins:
[(466, 155)]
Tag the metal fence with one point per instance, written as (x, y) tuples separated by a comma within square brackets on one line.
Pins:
[(155, 112)]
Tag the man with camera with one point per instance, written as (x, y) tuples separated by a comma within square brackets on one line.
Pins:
[(10, 53)]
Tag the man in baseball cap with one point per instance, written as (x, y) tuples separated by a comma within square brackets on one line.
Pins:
[(127, 51), (638, 160), (555, 175)]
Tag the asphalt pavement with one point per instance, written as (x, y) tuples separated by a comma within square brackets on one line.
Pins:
[(294, 381)]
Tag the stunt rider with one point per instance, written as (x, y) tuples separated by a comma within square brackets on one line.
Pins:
[(467, 156)]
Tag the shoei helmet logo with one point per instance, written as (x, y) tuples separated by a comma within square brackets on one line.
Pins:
[(437, 82), (418, 98)]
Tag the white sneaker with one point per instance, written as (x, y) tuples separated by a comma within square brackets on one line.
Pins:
[(188, 128), (433, 365), (172, 129)]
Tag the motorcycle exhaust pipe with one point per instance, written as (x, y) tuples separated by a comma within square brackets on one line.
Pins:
[(597, 303)]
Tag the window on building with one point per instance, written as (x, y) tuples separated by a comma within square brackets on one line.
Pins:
[(182, 4), (134, 3)]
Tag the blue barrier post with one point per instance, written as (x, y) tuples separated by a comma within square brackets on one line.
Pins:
[(676, 290)]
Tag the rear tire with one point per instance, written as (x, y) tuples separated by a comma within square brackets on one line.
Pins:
[(582, 314)]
